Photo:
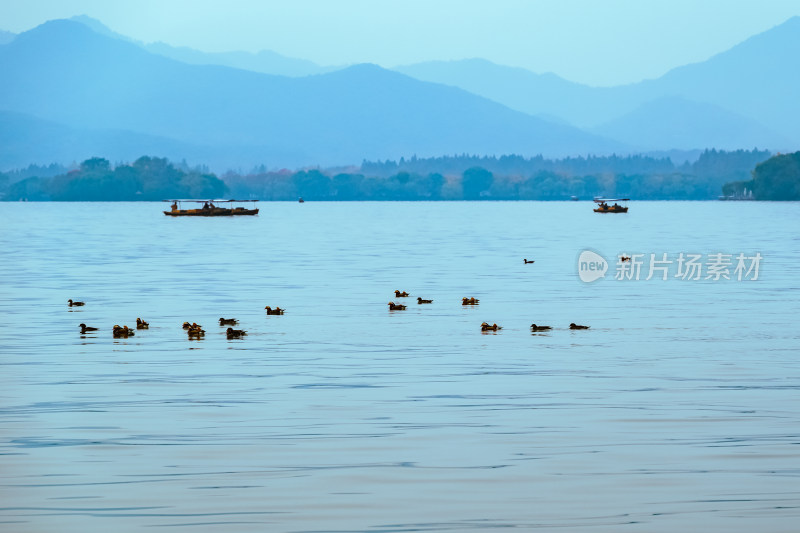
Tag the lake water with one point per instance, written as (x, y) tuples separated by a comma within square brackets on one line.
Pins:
[(678, 410)]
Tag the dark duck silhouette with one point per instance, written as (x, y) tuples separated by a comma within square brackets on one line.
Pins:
[(276, 311), (85, 328), (122, 332), (573, 325), (228, 321), (469, 301), (195, 331), (235, 333), (75, 304), (534, 327), (421, 301), (528, 262), (399, 294), (396, 307)]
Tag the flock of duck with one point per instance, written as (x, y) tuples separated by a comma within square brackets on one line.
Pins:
[(485, 326), (118, 331), (193, 330), (196, 331)]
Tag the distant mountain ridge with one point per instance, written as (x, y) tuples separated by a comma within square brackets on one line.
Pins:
[(515, 87), (684, 124), (262, 108), (755, 80), (64, 72), (265, 61), (25, 139)]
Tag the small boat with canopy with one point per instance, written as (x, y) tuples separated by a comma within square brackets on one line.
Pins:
[(211, 208), (603, 205)]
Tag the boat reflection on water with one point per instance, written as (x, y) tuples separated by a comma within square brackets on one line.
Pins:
[(210, 208)]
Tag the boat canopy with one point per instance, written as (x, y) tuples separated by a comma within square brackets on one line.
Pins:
[(213, 201), (606, 200)]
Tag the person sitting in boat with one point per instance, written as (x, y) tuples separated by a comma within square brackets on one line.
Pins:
[(174, 206), (205, 206), (616, 206)]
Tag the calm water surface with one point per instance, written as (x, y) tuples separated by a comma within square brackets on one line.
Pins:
[(678, 410)]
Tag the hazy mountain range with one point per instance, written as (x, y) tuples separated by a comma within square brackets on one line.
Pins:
[(72, 89), (265, 61), (752, 85)]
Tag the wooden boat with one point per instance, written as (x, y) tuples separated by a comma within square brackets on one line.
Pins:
[(210, 208), (603, 207)]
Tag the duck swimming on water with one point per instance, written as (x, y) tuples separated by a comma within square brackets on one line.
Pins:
[(469, 301), (489, 327), (573, 325), (228, 321), (85, 328), (276, 311), (195, 331), (421, 301), (396, 307), (534, 327), (75, 304), (235, 333), (122, 332), (141, 324), (399, 294)]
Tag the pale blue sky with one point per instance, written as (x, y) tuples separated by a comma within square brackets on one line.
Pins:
[(594, 42)]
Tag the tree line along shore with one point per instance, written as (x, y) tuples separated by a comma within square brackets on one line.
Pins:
[(753, 174)]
